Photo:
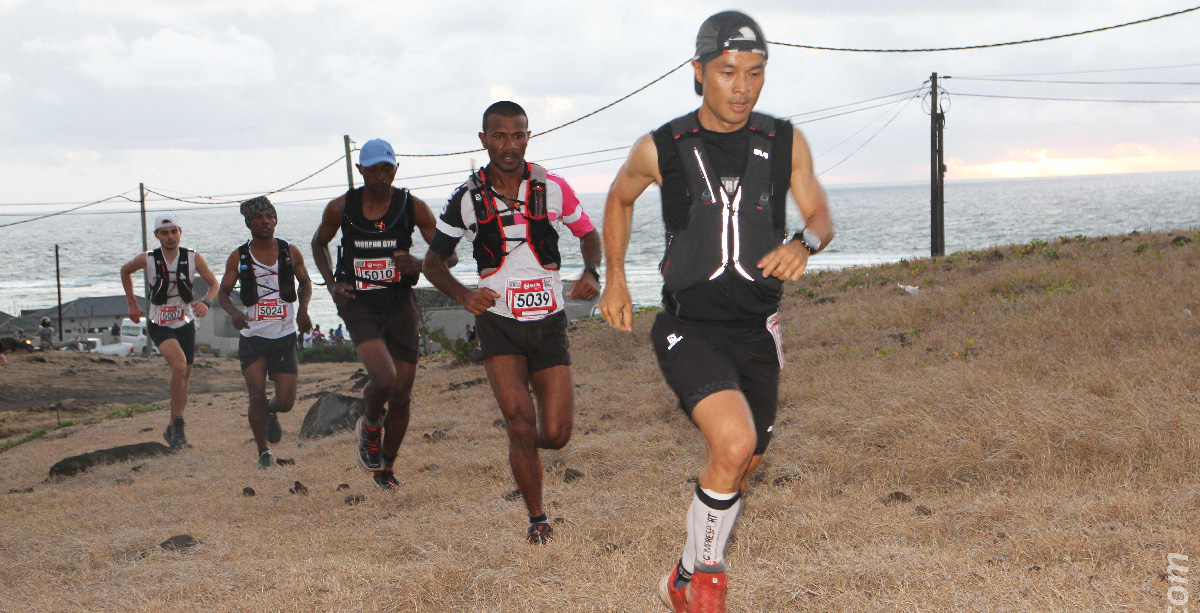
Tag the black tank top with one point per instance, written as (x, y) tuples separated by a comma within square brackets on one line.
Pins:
[(727, 298), (375, 239)]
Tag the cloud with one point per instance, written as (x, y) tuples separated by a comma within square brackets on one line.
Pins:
[(170, 59), (1125, 158)]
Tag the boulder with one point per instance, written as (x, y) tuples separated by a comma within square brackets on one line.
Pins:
[(69, 467), (331, 413)]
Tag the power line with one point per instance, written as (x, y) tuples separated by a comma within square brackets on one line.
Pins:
[(865, 126), (56, 213), (1000, 80), (560, 126), (877, 132), (1077, 99), (1066, 72), (989, 45)]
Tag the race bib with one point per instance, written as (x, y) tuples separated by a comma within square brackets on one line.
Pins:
[(270, 309), (531, 298), (773, 328), (169, 314), (381, 269)]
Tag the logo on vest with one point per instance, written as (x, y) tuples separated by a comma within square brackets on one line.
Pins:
[(762, 154), (672, 339)]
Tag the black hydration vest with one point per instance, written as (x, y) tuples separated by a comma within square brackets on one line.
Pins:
[(162, 282), (490, 245), (375, 239), (730, 227), (249, 281)]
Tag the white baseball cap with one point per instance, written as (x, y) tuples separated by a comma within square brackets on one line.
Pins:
[(166, 220)]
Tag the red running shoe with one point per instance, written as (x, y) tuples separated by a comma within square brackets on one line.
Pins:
[(706, 593), (674, 597), (368, 445)]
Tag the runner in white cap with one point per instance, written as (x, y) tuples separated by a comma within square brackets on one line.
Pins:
[(170, 271)]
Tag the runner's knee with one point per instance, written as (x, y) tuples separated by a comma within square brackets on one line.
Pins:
[(522, 431), (557, 438)]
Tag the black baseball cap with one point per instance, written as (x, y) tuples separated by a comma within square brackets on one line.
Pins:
[(728, 31)]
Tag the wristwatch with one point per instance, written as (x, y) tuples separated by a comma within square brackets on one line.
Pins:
[(809, 239), (206, 302), (592, 268)]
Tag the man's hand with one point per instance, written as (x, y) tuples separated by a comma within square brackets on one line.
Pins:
[(786, 263), (617, 308), (586, 288), (135, 312), (406, 264), (200, 309), (303, 322), (342, 293), (240, 321), (480, 300)]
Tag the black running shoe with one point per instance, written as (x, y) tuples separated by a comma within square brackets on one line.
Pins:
[(174, 434), (266, 459), (274, 431), (385, 480), (368, 445), (539, 533)]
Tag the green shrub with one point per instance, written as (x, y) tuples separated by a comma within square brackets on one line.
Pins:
[(458, 348), (343, 352)]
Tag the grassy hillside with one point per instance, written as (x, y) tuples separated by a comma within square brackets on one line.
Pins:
[(1022, 434)]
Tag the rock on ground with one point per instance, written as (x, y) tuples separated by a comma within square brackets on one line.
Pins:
[(69, 467), (331, 413)]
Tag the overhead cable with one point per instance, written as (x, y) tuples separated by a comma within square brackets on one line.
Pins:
[(56, 213), (988, 45), (560, 126), (1065, 72), (1059, 82), (1077, 99), (871, 138)]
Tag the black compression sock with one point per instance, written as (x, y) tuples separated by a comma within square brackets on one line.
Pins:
[(540, 519)]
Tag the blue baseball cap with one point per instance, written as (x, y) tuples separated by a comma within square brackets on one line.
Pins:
[(375, 151)]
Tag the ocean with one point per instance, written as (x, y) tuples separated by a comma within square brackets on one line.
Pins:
[(874, 224)]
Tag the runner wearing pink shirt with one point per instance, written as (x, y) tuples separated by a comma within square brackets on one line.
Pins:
[(513, 211)]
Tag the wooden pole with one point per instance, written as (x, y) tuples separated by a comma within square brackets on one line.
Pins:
[(937, 174), (349, 163), (58, 282)]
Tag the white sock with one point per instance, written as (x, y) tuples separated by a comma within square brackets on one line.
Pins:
[(711, 520)]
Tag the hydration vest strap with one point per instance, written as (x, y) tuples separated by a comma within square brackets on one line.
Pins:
[(248, 280), (162, 283)]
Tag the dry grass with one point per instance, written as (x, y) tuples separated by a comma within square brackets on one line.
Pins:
[(1041, 402)]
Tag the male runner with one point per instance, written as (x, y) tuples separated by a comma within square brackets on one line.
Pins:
[(372, 288), (172, 309), (512, 210), (724, 172), (268, 270)]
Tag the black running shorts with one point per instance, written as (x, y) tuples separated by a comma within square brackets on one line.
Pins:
[(543, 342), (393, 317), (280, 353), (185, 335), (700, 358)]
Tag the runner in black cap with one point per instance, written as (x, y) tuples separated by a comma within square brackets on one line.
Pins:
[(372, 288), (724, 173)]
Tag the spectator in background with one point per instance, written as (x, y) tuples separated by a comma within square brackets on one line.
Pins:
[(46, 334)]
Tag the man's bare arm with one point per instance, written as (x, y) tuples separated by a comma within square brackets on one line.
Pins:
[(225, 293), (205, 273), (137, 263), (788, 261), (305, 290), (426, 224), (638, 172), (331, 222)]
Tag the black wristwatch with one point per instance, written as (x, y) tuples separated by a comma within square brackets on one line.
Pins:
[(809, 239), (206, 302), (592, 268)]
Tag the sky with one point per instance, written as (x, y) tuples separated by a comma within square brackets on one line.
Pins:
[(229, 98)]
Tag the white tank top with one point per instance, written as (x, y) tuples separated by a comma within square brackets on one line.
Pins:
[(175, 313), (271, 317)]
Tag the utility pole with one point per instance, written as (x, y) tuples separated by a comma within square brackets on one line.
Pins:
[(58, 282), (937, 173), (349, 163), (145, 248)]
